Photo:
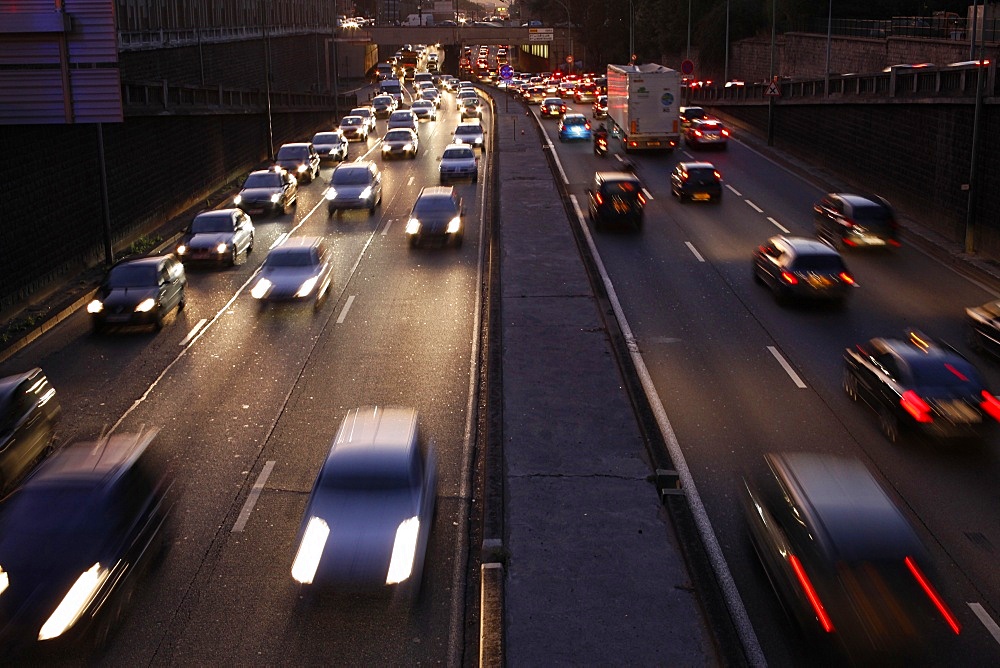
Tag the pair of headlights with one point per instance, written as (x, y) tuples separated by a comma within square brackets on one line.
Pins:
[(145, 306), (221, 248), (331, 193), (314, 539), (274, 198), (413, 225), (263, 288)]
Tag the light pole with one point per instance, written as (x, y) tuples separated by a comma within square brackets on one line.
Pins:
[(687, 55), (770, 98), (829, 35), (569, 26), (631, 32), (725, 75)]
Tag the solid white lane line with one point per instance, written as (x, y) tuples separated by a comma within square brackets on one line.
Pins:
[(411, 181), (987, 621), (347, 307), (779, 225), (787, 367), (251, 501), (734, 190), (194, 331), (754, 206), (748, 637), (388, 224), (694, 251)]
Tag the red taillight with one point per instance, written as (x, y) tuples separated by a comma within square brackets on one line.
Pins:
[(848, 223), (725, 132), (685, 176), (587, 125), (598, 198), (991, 405), (807, 587), (846, 278), (642, 200), (789, 278), (717, 175), (915, 406), (697, 133), (893, 242), (933, 595)]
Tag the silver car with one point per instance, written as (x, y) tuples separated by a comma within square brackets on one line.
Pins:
[(424, 109), (369, 516), (354, 185), (299, 269), (331, 146), (471, 133), (401, 142), (217, 237), (459, 162), (404, 118)]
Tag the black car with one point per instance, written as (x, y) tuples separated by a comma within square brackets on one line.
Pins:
[(919, 384), (268, 191), (29, 411), (616, 198), (301, 159), (436, 215), (984, 327), (552, 107), (698, 181), (844, 220), (74, 540), (846, 564), (802, 268), (139, 292), (217, 237)]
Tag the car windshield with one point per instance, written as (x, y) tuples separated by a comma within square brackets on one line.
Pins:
[(360, 112), (824, 263), (290, 257), (293, 153), (327, 138), (350, 177), (132, 276), (71, 513), (351, 121), (398, 135), (433, 205), (212, 223), (422, 104), (263, 180), (382, 99), (467, 130), (397, 116), (458, 154)]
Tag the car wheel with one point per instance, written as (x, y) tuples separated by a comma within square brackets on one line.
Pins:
[(850, 383), (458, 241), (756, 276), (233, 256), (183, 300), (371, 209), (158, 320), (413, 242), (250, 245), (475, 178), (889, 424)]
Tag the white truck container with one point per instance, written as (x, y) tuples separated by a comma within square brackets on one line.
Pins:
[(426, 19), (643, 103)]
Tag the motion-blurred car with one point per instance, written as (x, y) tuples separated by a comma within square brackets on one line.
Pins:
[(354, 128), (688, 114), (844, 220), (75, 540), (534, 94), (585, 92), (300, 159), (366, 112), (268, 191), (354, 185), (698, 181), (802, 268), (574, 127), (437, 215), (432, 95), (616, 198), (29, 411), (384, 105), (424, 110), (844, 561), (471, 133), (706, 132), (369, 516), (404, 118), (459, 162), (919, 384), (983, 323), (552, 107), (298, 269), (217, 237), (331, 146), (401, 142), (600, 107), (140, 291), (471, 108)]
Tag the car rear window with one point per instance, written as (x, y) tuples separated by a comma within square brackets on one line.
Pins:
[(953, 372), (872, 214), (824, 262), (701, 175), (627, 189)]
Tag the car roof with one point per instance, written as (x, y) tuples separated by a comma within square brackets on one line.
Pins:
[(375, 436), (429, 192), (567, 117), (861, 200), (803, 245), (219, 213), (921, 349), (94, 460), (298, 144), (844, 507), (695, 165), (8, 383), (153, 260), (299, 242), (608, 177)]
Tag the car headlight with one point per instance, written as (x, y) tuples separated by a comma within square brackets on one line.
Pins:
[(408, 147), (331, 193), (454, 225), (413, 226), (146, 305), (366, 193), (275, 197), (302, 168), (95, 306), (386, 147), (75, 602), (307, 287), (404, 550), (310, 550), (4, 580), (237, 199), (262, 287), (222, 248), (182, 249)]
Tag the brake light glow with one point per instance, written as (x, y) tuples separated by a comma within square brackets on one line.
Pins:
[(642, 200), (846, 278), (789, 277), (725, 132), (991, 405), (598, 198), (933, 595), (697, 133), (961, 376), (807, 587), (717, 174), (917, 407)]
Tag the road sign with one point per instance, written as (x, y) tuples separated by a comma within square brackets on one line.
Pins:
[(534, 31), (773, 89), (506, 72), (569, 59), (540, 36), (687, 67)]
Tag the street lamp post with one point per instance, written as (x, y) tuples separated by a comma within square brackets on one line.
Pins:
[(569, 26), (725, 75), (631, 32)]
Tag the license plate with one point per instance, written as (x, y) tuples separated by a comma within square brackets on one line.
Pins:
[(701, 197), (819, 281), (653, 143)]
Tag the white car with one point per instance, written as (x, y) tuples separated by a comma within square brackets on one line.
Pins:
[(459, 161), (424, 109)]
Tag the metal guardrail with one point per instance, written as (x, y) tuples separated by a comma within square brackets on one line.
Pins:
[(157, 98), (158, 39), (931, 82)]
